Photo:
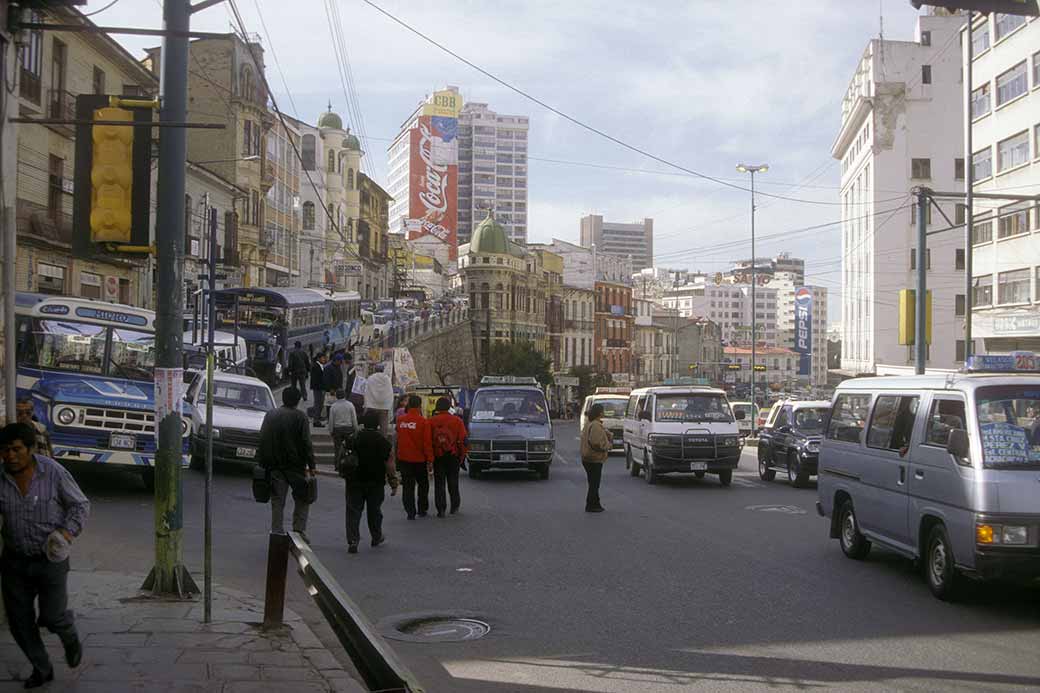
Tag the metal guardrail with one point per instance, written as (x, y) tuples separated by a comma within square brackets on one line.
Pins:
[(375, 661)]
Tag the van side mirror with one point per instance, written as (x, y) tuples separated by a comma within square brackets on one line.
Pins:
[(739, 415), (957, 443)]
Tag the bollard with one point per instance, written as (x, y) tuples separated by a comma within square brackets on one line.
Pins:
[(277, 568)]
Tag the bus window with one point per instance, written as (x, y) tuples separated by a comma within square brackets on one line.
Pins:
[(133, 354), (70, 346)]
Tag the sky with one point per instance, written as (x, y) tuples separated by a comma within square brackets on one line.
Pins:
[(704, 84)]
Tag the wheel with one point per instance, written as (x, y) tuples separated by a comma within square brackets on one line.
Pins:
[(197, 463), (543, 472), (148, 479), (795, 474), (726, 477), (764, 472), (699, 475), (628, 457), (853, 544), (474, 471), (940, 570), (633, 466), (649, 473)]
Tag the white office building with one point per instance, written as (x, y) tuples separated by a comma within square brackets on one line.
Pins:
[(1006, 132), (635, 240), (729, 306), (787, 327), (901, 127)]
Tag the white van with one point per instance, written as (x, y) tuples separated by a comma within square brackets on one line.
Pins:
[(942, 469), (681, 428), (614, 401)]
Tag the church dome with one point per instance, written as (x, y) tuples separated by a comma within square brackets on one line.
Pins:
[(331, 120), (489, 237)]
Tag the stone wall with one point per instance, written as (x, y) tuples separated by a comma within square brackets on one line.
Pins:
[(447, 355)]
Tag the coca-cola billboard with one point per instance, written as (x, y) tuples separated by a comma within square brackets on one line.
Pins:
[(434, 181)]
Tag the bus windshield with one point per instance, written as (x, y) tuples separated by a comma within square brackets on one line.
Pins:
[(693, 407), (509, 406), (70, 346), (133, 354), (1009, 423)]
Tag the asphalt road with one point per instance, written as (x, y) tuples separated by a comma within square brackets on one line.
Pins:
[(682, 586)]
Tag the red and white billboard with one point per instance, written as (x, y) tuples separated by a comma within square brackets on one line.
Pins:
[(433, 171)]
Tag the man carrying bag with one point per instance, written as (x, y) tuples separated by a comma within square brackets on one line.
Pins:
[(367, 469), (286, 453)]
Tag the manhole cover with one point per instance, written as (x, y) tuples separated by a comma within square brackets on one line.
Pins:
[(783, 509), (438, 629)]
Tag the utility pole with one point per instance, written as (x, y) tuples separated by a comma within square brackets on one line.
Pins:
[(211, 355), (921, 299), (969, 185), (168, 576)]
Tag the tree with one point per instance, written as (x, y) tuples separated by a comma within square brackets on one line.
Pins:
[(452, 356), (521, 359), (589, 379)]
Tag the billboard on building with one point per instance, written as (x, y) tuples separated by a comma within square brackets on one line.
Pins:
[(445, 103), (803, 300), (434, 181)]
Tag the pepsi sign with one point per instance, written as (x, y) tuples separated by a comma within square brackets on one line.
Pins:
[(803, 300)]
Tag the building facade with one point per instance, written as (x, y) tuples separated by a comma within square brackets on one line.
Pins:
[(901, 127), (1006, 131), (206, 192), (492, 170), (777, 370), (635, 241), (699, 350), (614, 330), (582, 267), (579, 308), (280, 240), (787, 325), (373, 227)]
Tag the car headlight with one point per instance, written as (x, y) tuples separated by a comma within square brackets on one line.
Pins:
[(728, 441), (65, 416), (657, 440), (261, 349), (1010, 535), (540, 446), (479, 446), (185, 426)]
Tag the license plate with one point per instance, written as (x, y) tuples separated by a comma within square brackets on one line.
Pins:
[(698, 466), (507, 458), (122, 441), (245, 452)]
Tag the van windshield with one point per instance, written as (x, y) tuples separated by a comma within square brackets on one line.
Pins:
[(1009, 424), (509, 406), (612, 408), (693, 407)]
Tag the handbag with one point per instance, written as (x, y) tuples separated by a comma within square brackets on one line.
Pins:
[(312, 490), (347, 464), (261, 484)]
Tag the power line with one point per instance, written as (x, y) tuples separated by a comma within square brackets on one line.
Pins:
[(277, 64), (91, 14)]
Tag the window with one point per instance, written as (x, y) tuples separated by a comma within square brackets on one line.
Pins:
[(1036, 138), (98, 81), (50, 279), (187, 224), (31, 62), (926, 74), (980, 101), (1013, 287), (90, 285), (960, 213), (350, 179), (1012, 84), (920, 168), (308, 152), (331, 164), (958, 169), (983, 291), (1014, 151), (1036, 70), (945, 416), (247, 85), (848, 417), (958, 306), (927, 258), (1004, 24), (1036, 294), (958, 258), (247, 138), (982, 164), (1013, 220), (927, 214), (980, 37), (308, 216), (892, 422), (982, 232), (55, 189), (926, 38)]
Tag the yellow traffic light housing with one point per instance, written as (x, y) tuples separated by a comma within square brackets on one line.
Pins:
[(112, 178), (908, 316)]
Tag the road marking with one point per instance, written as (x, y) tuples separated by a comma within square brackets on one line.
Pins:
[(559, 458), (783, 509)]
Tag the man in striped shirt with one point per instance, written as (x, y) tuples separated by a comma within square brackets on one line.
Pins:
[(43, 509)]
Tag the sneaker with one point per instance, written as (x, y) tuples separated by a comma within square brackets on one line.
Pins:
[(378, 540), (73, 653), (38, 678), (351, 548), (440, 513)]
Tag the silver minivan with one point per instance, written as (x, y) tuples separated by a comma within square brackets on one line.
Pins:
[(943, 469)]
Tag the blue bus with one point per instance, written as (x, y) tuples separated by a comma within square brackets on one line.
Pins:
[(271, 320), (88, 368)]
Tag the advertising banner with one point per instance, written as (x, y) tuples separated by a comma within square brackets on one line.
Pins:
[(434, 181), (803, 329), (404, 369)]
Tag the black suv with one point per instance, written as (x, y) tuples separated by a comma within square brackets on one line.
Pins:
[(792, 442)]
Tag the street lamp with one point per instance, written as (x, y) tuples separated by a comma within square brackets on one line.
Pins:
[(753, 169)]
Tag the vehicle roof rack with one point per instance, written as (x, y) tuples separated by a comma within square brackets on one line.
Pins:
[(508, 380)]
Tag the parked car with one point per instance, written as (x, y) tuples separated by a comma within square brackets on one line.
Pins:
[(239, 405), (792, 441), (941, 469)]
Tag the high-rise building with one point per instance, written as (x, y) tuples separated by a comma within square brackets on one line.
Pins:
[(901, 127), (1006, 141), (626, 240), (492, 170), (783, 266)]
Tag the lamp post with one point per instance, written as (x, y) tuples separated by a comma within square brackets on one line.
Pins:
[(753, 169)]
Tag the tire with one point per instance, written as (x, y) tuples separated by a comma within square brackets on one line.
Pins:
[(628, 457), (633, 468), (148, 479), (699, 475), (940, 569), (764, 472), (649, 473), (726, 477), (798, 477), (474, 471), (543, 472), (853, 544)]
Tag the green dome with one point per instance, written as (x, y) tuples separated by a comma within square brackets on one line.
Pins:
[(351, 142), (489, 237), (330, 120)]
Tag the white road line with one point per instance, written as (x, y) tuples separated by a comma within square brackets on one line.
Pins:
[(560, 458)]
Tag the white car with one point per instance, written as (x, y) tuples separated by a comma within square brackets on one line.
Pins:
[(239, 406)]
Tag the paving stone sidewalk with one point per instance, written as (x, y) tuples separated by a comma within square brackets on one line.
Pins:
[(132, 643)]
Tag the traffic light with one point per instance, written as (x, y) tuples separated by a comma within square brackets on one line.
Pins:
[(908, 316), (112, 178), (760, 367), (693, 366)]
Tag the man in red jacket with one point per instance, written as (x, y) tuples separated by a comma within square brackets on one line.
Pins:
[(414, 457), (448, 435)]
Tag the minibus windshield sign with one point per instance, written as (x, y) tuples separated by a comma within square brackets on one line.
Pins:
[(1009, 424)]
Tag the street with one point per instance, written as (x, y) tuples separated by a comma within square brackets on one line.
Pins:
[(680, 586)]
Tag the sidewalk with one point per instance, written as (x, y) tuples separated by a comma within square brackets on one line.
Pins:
[(138, 644)]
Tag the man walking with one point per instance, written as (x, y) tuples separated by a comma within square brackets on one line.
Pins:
[(595, 447), (299, 364), (332, 377), (414, 457), (318, 387), (24, 413), (448, 439), (364, 485), (285, 451), (379, 397), (343, 423), (43, 510)]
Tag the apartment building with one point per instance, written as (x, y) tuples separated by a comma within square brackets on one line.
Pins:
[(280, 241), (789, 296), (635, 241), (579, 308)]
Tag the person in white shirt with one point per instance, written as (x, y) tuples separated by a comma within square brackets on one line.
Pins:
[(343, 422), (379, 397)]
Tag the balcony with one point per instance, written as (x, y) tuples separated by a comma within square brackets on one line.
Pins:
[(62, 104)]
